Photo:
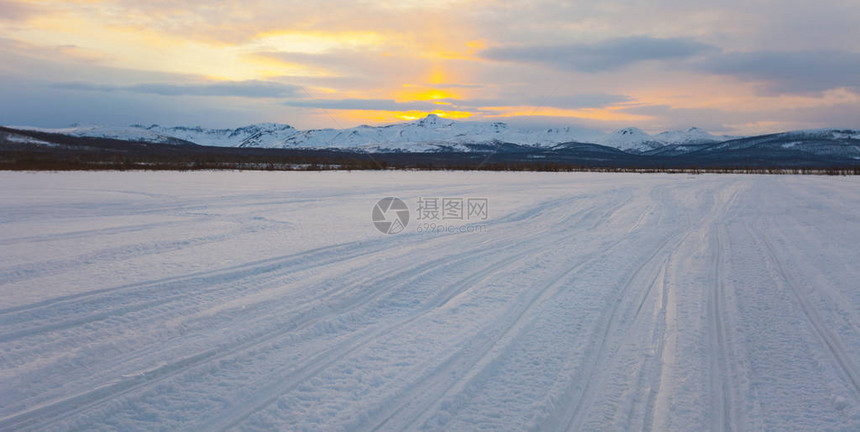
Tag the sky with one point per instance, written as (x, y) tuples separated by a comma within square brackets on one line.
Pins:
[(732, 66)]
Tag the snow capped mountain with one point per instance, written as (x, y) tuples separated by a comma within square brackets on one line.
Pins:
[(431, 133), (831, 133), (821, 142), (631, 139), (257, 135), (692, 135), (428, 134), (129, 133), (433, 121), (637, 140)]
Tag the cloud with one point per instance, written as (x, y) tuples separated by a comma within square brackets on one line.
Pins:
[(125, 56), (750, 121), (246, 89), (568, 102), (667, 117), (28, 102), (13, 11), (352, 63), (364, 104), (605, 55), (780, 72), (595, 100)]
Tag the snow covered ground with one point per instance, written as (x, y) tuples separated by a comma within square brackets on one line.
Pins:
[(268, 301)]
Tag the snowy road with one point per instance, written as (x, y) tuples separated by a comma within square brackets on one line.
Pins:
[(268, 301)]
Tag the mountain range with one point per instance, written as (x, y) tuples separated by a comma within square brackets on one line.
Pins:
[(432, 141), (431, 133)]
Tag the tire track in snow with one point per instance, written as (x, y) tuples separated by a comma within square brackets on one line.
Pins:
[(827, 337), (324, 255), (580, 391), (667, 247), (594, 376), (257, 272), (652, 402), (415, 408), (762, 315), (724, 414), (273, 391), (87, 234), (210, 281), (647, 402), (150, 378), (77, 404), (651, 363), (34, 270), (724, 406), (210, 276), (815, 236), (568, 407), (363, 294)]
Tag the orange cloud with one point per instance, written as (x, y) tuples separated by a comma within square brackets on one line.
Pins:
[(425, 94), (314, 42), (395, 116), (608, 114)]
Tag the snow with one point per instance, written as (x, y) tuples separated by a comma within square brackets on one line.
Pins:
[(692, 135), (828, 133), (631, 138), (130, 133), (23, 139), (431, 133), (637, 140), (257, 135), (268, 301)]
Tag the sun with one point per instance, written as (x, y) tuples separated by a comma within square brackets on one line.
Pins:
[(415, 115)]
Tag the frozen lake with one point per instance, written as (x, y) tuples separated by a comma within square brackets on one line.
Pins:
[(565, 302)]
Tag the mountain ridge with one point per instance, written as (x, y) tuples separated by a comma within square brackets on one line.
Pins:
[(431, 133), (426, 134)]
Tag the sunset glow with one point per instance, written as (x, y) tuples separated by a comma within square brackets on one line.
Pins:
[(584, 65)]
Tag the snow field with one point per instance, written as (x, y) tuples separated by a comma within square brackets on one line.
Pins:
[(268, 301)]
